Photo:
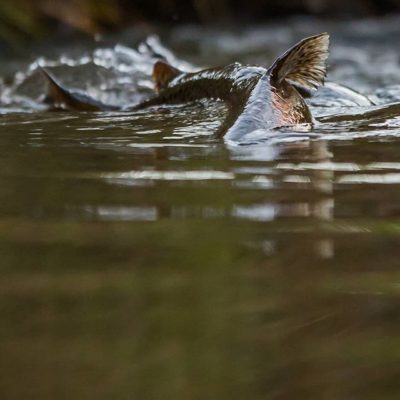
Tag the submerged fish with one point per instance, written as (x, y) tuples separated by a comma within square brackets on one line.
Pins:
[(257, 98)]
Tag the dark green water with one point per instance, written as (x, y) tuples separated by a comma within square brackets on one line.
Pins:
[(142, 259)]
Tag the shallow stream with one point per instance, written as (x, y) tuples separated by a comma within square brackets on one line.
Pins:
[(141, 258)]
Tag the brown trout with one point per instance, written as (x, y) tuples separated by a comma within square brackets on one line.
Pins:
[(257, 97)]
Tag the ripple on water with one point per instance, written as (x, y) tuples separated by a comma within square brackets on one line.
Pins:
[(136, 248)]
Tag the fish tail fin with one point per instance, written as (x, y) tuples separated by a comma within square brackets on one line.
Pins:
[(163, 74), (304, 65)]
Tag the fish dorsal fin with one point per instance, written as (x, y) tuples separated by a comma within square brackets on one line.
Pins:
[(61, 98), (304, 65), (164, 73), (56, 91)]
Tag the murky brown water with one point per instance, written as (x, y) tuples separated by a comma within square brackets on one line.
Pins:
[(142, 259)]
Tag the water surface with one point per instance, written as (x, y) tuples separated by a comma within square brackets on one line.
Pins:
[(142, 258)]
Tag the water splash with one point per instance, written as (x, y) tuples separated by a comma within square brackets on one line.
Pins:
[(121, 75), (118, 75)]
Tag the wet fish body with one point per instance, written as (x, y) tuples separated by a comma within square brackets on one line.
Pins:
[(257, 97), (233, 84)]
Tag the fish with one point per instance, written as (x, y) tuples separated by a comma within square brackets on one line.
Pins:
[(59, 97), (256, 97)]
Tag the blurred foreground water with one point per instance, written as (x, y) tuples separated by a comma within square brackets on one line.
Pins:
[(142, 258)]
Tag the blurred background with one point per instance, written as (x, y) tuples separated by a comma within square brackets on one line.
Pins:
[(22, 20)]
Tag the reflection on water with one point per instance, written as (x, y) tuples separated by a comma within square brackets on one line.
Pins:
[(141, 258)]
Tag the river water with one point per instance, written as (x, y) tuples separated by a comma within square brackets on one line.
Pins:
[(141, 258)]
